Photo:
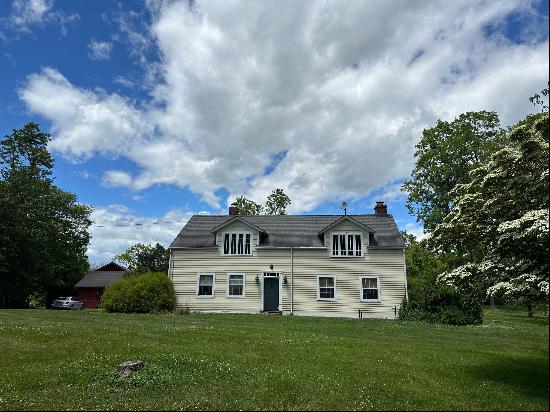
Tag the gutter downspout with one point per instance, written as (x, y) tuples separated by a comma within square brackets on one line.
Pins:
[(291, 281), (405, 266), (170, 274)]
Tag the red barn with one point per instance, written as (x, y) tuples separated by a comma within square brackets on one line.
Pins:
[(90, 288)]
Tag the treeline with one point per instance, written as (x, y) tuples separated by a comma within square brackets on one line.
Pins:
[(43, 229), (481, 193)]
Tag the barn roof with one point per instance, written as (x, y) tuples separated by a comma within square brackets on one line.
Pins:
[(102, 277)]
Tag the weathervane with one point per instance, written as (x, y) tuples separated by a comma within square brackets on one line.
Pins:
[(345, 207)]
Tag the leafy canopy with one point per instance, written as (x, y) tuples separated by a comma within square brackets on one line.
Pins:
[(247, 207), (429, 300), (500, 219), (43, 229), (141, 258), (445, 155), (276, 204)]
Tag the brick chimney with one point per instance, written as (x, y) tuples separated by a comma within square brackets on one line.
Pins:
[(380, 209), (233, 210)]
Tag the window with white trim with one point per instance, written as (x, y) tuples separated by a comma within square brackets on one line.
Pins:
[(235, 285), (326, 287), (348, 244), (237, 243), (205, 285), (370, 288)]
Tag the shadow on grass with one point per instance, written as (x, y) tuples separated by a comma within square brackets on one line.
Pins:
[(528, 376)]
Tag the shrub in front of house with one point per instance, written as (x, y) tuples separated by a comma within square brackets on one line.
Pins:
[(430, 301), (140, 293)]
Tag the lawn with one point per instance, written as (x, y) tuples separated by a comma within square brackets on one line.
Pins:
[(67, 360)]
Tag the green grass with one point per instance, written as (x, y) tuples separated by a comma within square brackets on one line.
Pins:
[(67, 360)]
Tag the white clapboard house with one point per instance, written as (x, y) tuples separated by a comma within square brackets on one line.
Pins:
[(319, 265)]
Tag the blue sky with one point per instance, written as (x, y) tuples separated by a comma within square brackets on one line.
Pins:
[(159, 110)]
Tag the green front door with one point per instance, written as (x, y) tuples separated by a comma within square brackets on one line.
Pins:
[(271, 294)]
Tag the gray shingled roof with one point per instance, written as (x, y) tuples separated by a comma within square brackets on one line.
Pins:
[(99, 278), (288, 230)]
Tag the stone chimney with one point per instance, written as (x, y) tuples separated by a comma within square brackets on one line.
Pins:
[(380, 209), (233, 210)]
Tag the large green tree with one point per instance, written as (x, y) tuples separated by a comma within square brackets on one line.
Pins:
[(277, 203), (43, 228), (445, 155), (500, 219), (247, 207), (141, 258)]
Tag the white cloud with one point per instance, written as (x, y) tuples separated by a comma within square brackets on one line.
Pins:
[(345, 91), (28, 13), (85, 122), (116, 178), (99, 50), (416, 230), (116, 228)]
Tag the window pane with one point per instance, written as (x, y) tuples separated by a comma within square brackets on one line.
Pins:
[(205, 290), (247, 244), (370, 293), (370, 283), (226, 243), (235, 279), (326, 282), (350, 245), (326, 287), (205, 285), (335, 244), (326, 293), (343, 245), (233, 244), (358, 245), (236, 290), (241, 246)]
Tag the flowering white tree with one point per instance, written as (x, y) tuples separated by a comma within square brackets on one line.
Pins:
[(499, 221)]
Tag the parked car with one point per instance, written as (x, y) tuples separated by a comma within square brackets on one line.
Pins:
[(67, 302)]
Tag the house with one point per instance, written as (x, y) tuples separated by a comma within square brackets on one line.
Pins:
[(90, 288), (320, 265)]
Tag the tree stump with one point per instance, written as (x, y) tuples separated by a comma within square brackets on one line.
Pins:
[(129, 367)]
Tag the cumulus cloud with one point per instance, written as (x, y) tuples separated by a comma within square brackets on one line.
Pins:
[(99, 50), (117, 178), (343, 90), (117, 227)]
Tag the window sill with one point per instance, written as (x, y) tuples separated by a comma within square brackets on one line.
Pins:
[(234, 297), (371, 300), (346, 257), (326, 300), (244, 254), (205, 296)]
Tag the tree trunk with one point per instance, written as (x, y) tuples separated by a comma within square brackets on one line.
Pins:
[(529, 309), (492, 302)]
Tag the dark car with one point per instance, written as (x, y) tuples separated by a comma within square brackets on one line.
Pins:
[(67, 302)]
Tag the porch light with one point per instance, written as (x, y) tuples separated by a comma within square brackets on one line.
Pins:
[(285, 280), (257, 279)]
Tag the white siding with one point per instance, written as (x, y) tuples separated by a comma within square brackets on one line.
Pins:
[(308, 263)]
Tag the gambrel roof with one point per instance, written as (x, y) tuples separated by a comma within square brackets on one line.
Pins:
[(289, 230)]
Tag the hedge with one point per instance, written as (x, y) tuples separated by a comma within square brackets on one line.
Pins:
[(140, 293)]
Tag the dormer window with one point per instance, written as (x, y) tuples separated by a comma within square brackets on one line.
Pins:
[(237, 243), (347, 244)]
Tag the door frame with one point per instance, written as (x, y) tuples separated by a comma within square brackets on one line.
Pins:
[(271, 274)]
